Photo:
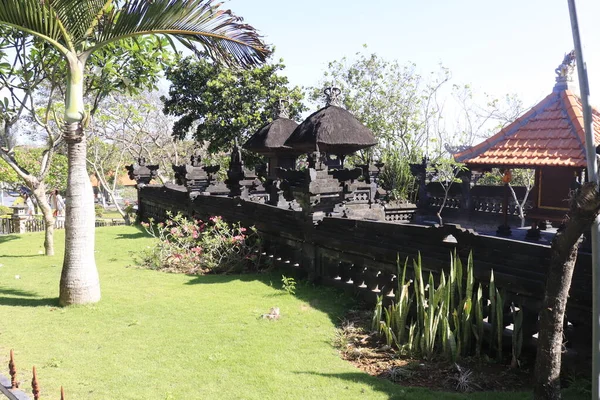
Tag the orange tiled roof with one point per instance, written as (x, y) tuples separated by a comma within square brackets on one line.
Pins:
[(550, 134), (123, 179)]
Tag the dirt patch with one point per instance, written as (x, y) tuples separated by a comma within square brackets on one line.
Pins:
[(367, 352)]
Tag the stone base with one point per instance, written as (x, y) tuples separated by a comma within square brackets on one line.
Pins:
[(504, 230), (533, 234)]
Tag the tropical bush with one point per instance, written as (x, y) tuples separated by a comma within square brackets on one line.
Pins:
[(4, 210), (198, 247), (449, 318), (396, 178)]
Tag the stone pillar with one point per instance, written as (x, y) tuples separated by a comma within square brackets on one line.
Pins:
[(19, 219), (419, 171), (235, 173), (142, 174), (466, 202)]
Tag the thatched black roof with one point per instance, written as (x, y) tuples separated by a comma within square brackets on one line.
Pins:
[(271, 136), (334, 130)]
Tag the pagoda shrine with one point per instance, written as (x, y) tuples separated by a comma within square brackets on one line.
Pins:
[(549, 138)]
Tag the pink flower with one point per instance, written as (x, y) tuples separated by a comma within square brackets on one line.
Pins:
[(242, 229), (161, 224), (195, 234), (145, 224), (196, 250)]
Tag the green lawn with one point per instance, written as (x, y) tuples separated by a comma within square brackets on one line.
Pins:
[(164, 336)]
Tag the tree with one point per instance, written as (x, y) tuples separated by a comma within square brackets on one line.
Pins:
[(77, 29), (479, 116), (584, 208), (445, 171), (30, 76), (220, 104), (396, 103), (126, 128), (519, 177), (31, 158)]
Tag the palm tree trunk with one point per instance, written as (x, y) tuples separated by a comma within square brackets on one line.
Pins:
[(79, 282)]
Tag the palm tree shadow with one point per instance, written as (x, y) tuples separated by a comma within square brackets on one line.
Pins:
[(16, 292), (24, 298), (6, 238), (28, 301)]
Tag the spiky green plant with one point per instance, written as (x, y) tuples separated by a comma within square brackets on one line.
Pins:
[(478, 325), (376, 322), (517, 336), (499, 323), (492, 310)]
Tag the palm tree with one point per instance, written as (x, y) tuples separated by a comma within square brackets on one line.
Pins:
[(77, 28)]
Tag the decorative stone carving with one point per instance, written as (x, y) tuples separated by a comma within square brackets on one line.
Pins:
[(141, 172), (195, 177)]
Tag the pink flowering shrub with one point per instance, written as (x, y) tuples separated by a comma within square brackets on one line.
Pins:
[(197, 247)]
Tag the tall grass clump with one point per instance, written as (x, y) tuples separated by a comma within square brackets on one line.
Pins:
[(452, 318)]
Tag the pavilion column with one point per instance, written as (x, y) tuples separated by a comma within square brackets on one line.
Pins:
[(504, 229)]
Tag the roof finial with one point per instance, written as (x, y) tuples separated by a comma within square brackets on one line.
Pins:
[(281, 109), (564, 72), (332, 96)]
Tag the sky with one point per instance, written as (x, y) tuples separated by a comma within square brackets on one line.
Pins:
[(498, 47)]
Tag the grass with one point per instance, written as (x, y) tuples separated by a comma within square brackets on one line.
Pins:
[(113, 214), (164, 336)]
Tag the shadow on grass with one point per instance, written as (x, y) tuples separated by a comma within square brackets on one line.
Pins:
[(137, 235), (22, 256), (16, 292), (6, 238), (28, 302), (377, 384)]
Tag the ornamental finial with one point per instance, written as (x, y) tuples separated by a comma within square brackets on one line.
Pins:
[(333, 96), (564, 72), (282, 109)]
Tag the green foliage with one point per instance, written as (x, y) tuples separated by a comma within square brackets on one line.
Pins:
[(448, 319), (520, 177), (396, 177), (221, 104), (391, 99), (99, 210), (288, 284), (196, 247), (29, 158), (5, 210)]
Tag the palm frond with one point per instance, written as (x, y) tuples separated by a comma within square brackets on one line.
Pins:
[(35, 17), (222, 35), (77, 16)]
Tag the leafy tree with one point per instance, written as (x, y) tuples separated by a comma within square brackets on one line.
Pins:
[(445, 171), (480, 116), (218, 104), (520, 177), (77, 29), (392, 100), (31, 158), (126, 128)]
